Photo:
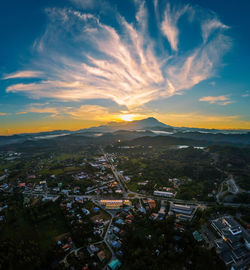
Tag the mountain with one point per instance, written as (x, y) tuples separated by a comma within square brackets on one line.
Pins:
[(148, 123), (150, 127), (145, 124)]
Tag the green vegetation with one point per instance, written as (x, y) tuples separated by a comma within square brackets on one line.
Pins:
[(32, 230), (236, 161), (153, 245), (151, 170)]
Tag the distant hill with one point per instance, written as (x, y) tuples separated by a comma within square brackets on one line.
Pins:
[(216, 137), (159, 141), (135, 129)]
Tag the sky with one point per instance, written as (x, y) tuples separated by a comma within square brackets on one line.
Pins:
[(72, 64)]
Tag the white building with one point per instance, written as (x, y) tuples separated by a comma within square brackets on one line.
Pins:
[(163, 194)]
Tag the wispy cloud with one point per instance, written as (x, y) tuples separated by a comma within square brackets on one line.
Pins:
[(246, 94), (24, 74), (93, 112), (83, 112), (220, 100), (43, 108), (169, 24), (1, 114), (20, 113), (210, 26), (83, 58), (50, 110)]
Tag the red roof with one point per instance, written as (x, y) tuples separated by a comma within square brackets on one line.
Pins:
[(152, 203), (22, 185), (130, 217)]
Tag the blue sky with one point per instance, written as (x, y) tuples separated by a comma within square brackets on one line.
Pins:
[(71, 64)]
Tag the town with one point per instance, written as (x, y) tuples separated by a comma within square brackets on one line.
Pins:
[(87, 209)]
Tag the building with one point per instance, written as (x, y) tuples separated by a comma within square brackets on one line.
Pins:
[(114, 204), (183, 209), (101, 255), (183, 212), (114, 265), (92, 249), (234, 244), (197, 236), (151, 203), (164, 194)]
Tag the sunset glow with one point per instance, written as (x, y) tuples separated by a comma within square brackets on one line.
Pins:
[(127, 117), (79, 61)]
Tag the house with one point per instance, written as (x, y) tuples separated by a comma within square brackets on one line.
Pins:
[(69, 205), (151, 203), (131, 217), (21, 185), (101, 255), (115, 244), (92, 249), (116, 229), (119, 221), (197, 236), (114, 265)]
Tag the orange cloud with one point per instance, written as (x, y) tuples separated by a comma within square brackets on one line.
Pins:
[(220, 100), (24, 74)]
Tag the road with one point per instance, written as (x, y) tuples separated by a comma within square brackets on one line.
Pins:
[(116, 174), (105, 240)]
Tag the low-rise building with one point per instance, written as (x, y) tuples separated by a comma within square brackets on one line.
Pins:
[(164, 194), (183, 212), (114, 204), (114, 265)]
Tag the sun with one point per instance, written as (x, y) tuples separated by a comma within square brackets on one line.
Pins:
[(127, 117)]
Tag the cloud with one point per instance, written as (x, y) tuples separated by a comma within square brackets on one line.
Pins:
[(42, 108), (169, 24), (49, 110), (210, 26), (246, 94), (24, 74), (213, 83), (1, 114), (219, 100), (83, 112), (20, 113), (91, 4), (93, 112), (84, 58)]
